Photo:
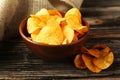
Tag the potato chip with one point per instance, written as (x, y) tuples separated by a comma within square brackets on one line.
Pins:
[(73, 18), (83, 49), (65, 41), (33, 24), (61, 21), (35, 34), (51, 33), (104, 49), (43, 15), (82, 29), (79, 63), (54, 13), (97, 58), (104, 62), (68, 33), (73, 22), (75, 38), (79, 35), (74, 12), (94, 52), (88, 60)]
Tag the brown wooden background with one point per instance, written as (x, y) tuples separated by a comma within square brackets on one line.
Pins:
[(17, 62)]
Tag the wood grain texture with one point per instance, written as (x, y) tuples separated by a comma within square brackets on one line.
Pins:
[(17, 62), (101, 3)]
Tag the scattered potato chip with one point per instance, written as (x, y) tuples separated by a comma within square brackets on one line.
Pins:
[(94, 52), (98, 58), (79, 63), (104, 49), (104, 62), (88, 60)]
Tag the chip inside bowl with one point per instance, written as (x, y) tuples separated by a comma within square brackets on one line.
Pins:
[(51, 27), (51, 33)]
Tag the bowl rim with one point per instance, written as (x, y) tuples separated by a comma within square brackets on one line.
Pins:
[(23, 24)]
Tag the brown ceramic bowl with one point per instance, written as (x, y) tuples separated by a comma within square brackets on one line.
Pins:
[(51, 52)]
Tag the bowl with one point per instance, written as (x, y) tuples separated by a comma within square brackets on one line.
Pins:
[(52, 52)]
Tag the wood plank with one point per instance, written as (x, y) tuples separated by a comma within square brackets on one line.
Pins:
[(101, 3), (100, 11), (19, 63)]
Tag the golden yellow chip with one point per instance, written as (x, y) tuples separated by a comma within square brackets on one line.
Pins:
[(43, 15), (104, 62), (82, 29), (51, 33), (88, 60), (73, 18), (68, 33), (61, 21), (33, 24), (65, 41), (79, 63), (74, 12), (35, 34), (54, 12), (73, 22)]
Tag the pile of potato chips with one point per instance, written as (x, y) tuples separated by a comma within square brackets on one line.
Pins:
[(96, 59), (51, 27)]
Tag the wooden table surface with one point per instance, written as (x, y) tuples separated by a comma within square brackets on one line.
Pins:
[(17, 62)]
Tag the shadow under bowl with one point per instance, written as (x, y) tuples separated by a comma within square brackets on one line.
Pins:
[(52, 52)]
